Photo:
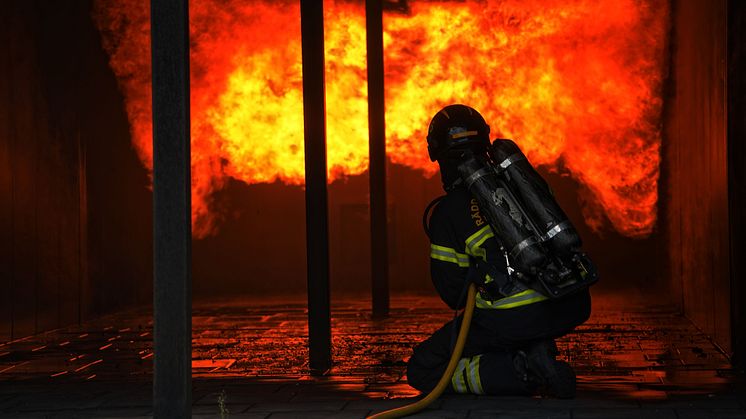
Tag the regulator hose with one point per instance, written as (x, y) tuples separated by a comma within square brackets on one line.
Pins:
[(445, 380), (426, 215)]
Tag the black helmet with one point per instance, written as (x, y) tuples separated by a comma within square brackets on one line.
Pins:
[(456, 126)]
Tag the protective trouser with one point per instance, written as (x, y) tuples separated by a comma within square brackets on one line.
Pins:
[(488, 364)]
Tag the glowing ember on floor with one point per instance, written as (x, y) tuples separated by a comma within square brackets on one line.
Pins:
[(577, 84)]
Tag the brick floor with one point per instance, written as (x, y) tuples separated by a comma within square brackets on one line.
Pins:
[(633, 360)]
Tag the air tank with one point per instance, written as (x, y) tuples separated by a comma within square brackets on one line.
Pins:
[(504, 213), (536, 198)]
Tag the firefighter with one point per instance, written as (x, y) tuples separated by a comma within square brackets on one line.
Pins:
[(510, 346)]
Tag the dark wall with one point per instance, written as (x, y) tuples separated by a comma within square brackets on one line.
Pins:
[(737, 171), (696, 167), (260, 245), (74, 204)]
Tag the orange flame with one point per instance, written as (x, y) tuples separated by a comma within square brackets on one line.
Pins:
[(576, 83)]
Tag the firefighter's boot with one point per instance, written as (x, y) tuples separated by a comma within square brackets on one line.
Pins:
[(554, 378)]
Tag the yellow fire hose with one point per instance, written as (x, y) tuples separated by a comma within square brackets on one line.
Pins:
[(445, 380)]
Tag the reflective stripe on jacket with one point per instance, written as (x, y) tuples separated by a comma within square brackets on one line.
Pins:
[(458, 231)]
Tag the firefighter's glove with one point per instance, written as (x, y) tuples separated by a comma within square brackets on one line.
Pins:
[(487, 277)]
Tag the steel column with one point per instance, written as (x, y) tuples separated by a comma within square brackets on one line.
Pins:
[(736, 86), (377, 150), (172, 317), (317, 231)]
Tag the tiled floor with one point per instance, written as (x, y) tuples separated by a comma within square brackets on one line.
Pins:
[(634, 360)]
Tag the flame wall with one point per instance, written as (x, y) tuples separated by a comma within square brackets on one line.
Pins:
[(576, 83)]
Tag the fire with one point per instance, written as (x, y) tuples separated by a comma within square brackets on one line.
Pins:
[(576, 83)]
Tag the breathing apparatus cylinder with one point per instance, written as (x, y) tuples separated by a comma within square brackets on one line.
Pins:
[(554, 228), (541, 243), (503, 212)]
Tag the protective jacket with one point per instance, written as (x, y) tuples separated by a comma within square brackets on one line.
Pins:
[(461, 239)]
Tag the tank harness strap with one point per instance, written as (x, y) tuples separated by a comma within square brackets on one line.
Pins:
[(510, 160), (476, 176), (556, 230), (518, 248), (530, 241)]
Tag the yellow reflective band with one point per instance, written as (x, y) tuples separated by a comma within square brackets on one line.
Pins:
[(457, 381), (476, 240), (463, 134), (447, 254), (516, 300), (521, 294), (475, 382), (465, 375), (523, 302), (484, 238)]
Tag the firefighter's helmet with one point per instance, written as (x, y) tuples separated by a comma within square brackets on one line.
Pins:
[(456, 127)]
